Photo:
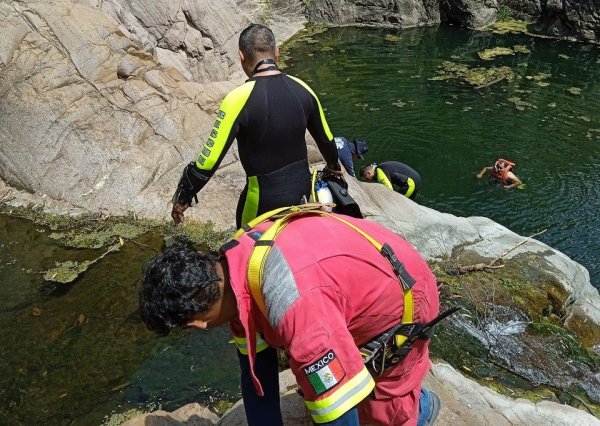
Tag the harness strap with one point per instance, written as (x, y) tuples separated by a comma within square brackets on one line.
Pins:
[(282, 217)]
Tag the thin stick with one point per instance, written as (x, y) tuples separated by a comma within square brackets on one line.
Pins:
[(503, 255)]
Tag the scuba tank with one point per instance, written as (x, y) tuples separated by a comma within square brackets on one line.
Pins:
[(330, 189), (323, 194)]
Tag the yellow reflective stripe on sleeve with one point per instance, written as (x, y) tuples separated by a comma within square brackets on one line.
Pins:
[(347, 396), (382, 178), (240, 342), (411, 187), (261, 345), (321, 112), (228, 112)]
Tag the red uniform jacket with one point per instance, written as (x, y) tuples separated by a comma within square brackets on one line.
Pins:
[(328, 291)]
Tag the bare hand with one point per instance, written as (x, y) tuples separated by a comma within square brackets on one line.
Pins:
[(177, 212)]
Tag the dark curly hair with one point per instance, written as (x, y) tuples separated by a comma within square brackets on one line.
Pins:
[(176, 285), (257, 39)]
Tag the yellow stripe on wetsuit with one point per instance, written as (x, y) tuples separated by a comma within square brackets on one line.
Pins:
[(228, 112), (321, 112), (382, 178), (411, 187)]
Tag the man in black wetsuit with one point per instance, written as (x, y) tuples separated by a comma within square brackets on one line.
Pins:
[(268, 115), (395, 175)]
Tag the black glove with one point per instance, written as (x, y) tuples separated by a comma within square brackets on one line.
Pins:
[(190, 183)]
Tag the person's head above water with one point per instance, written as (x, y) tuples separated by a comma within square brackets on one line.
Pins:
[(368, 172), (257, 42), (502, 164)]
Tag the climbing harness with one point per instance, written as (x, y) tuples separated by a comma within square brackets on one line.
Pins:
[(391, 346), (382, 352)]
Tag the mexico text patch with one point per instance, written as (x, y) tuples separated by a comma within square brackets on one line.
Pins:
[(325, 373)]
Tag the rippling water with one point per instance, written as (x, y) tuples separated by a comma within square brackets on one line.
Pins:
[(380, 89)]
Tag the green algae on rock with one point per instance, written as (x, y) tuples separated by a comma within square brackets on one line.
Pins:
[(392, 38), (519, 48), (489, 54), (69, 271), (511, 333), (509, 26), (478, 77), (66, 272), (520, 104), (203, 235), (97, 235)]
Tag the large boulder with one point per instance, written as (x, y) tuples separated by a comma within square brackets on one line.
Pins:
[(574, 19), (102, 103), (469, 13), (397, 13)]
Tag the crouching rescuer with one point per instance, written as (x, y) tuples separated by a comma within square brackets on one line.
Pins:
[(350, 302)]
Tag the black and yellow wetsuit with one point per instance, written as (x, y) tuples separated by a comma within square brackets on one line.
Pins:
[(268, 116), (399, 177)]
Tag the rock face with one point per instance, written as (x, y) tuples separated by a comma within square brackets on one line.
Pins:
[(464, 403), (402, 13), (578, 19), (101, 103), (558, 18), (470, 13)]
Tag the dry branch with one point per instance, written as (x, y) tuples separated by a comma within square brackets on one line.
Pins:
[(487, 267)]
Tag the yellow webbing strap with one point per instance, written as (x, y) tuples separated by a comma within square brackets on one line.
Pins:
[(263, 246)]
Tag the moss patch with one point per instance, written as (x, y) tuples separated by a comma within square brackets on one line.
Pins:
[(69, 271), (478, 77), (509, 26), (98, 234), (489, 54), (392, 38)]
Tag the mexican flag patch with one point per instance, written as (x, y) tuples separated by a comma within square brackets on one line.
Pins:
[(325, 373)]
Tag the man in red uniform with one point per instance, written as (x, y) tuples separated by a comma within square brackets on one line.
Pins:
[(325, 292)]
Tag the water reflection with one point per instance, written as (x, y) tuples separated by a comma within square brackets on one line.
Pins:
[(80, 352), (382, 91)]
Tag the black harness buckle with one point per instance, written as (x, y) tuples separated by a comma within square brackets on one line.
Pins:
[(405, 278)]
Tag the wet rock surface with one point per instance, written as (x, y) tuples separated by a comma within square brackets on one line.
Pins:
[(464, 402)]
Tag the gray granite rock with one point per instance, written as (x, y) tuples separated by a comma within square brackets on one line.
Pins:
[(464, 403)]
